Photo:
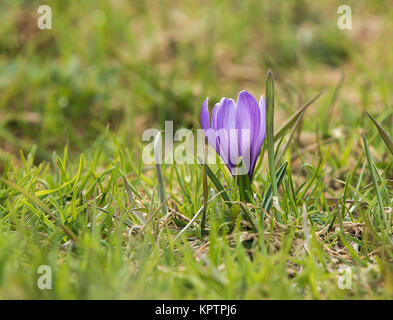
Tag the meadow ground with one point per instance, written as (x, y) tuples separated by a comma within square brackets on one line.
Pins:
[(76, 196)]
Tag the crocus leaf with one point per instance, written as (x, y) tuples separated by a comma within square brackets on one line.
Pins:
[(267, 200), (270, 134), (245, 189), (386, 138)]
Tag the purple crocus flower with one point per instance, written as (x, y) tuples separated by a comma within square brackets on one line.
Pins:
[(236, 130)]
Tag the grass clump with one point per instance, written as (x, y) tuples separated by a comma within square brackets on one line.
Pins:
[(76, 196)]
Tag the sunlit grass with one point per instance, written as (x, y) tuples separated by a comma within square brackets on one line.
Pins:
[(75, 195)]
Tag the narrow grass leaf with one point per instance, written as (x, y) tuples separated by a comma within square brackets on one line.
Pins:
[(268, 199), (158, 157), (42, 205), (375, 182), (218, 185), (205, 197), (196, 215), (270, 133), (386, 138), (131, 199)]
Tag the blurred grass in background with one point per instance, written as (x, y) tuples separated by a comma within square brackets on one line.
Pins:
[(133, 64)]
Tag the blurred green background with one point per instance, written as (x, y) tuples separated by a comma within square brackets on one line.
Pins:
[(131, 65)]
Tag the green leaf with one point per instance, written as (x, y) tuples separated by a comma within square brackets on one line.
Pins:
[(205, 196), (270, 133), (245, 189), (157, 157), (42, 205), (268, 199), (386, 138), (131, 199), (375, 182), (249, 218), (218, 185)]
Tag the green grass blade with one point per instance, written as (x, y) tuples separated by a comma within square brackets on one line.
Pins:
[(196, 215), (249, 218), (218, 185), (42, 205), (268, 199), (270, 133), (131, 199), (205, 197), (157, 153), (386, 138), (375, 182)]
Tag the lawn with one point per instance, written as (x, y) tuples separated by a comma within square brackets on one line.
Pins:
[(77, 196)]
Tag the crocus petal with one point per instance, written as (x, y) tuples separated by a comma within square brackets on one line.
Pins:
[(214, 116), (236, 130), (262, 131), (205, 117), (248, 117), (225, 128), (226, 115), (262, 127), (210, 133)]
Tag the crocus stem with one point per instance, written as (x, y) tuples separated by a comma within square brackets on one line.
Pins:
[(241, 188), (245, 189), (270, 133)]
